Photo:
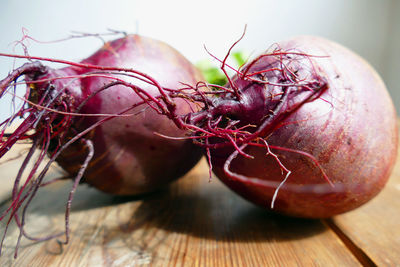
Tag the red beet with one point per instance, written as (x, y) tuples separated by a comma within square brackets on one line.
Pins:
[(345, 122), (79, 115), (129, 158)]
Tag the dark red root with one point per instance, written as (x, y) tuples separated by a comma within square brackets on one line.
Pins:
[(77, 180), (39, 183), (29, 195), (322, 188), (231, 83)]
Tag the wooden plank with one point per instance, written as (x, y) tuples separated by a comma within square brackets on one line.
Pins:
[(375, 227), (192, 223), (10, 164)]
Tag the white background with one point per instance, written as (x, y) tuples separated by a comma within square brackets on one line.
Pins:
[(369, 27)]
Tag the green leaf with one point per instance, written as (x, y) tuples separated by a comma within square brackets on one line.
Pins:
[(214, 74), (239, 57)]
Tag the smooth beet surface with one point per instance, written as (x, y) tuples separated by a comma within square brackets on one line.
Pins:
[(129, 158), (350, 129)]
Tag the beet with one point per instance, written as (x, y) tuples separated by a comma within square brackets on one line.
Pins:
[(95, 119), (342, 132), (129, 158)]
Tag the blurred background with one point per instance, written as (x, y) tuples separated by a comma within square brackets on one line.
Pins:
[(368, 27)]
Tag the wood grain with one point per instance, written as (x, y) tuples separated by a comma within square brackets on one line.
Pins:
[(8, 166), (192, 223)]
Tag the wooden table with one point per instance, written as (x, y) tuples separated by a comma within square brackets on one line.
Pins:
[(197, 223)]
